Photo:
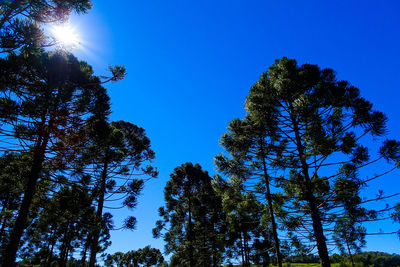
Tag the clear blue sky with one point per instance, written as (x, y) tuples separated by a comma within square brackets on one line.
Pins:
[(191, 63)]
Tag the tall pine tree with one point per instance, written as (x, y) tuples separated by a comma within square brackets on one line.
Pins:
[(45, 100), (118, 157), (319, 123), (189, 218)]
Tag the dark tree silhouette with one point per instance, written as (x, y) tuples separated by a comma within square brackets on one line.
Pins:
[(146, 256), (250, 145), (117, 154), (46, 98), (188, 218), (314, 118)]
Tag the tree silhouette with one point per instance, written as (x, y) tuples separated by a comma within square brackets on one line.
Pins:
[(187, 218), (243, 219), (315, 118), (250, 145), (46, 98), (146, 256), (115, 156)]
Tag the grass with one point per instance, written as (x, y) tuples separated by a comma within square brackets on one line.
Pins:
[(307, 265)]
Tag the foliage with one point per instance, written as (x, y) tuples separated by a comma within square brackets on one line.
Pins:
[(250, 146), (318, 123), (146, 256), (119, 150), (46, 96), (246, 236), (191, 218), (63, 226), (20, 20)]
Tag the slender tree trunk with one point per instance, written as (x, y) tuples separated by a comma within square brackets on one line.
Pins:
[(99, 213), (271, 209), (246, 240), (50, 246), (10, 252), (245, 251), (214, 256), (318, 231), (87, 243), (51, 254), (242, 249), (315, 215), (83, 260), (350, 254), (205, 249), (214, 246), (3, 225), (191, 260), (266, 260), (65, 247), (245, 254)]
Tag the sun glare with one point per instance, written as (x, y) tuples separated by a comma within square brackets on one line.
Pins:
[(66, 36)]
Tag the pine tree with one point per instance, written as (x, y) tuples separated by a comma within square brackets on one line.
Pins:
[(64, 223), (150, 256), (116, 155), (243, 220), (45, 100), (187, 218), (250, 145), (14, 170), (349, 237), (146, 256), (319, 123), (12, 177)]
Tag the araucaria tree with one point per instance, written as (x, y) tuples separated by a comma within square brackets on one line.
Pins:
[(319, 124), (62, 226), (146, 256), (245, 233), (45, 100), (250, 144), (117, 156), (190, 218)]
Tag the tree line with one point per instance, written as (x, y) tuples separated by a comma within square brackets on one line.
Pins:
[(290, 177)]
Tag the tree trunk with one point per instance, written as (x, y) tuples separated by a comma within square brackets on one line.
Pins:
[(318, 231), (242, 249), (247, 250), (99, 214), (214, 246), (51, 254), (315, 215), (65, 247), (271, 208), (191, 260), (3, 225), (11, 250), (50, 247), (204, 250), (87, 243), (214, 256), (350, 254)]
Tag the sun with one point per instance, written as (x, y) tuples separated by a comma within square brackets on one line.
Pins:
[(66, 36)]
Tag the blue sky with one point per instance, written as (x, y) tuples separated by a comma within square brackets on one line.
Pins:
[(191, 63)]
